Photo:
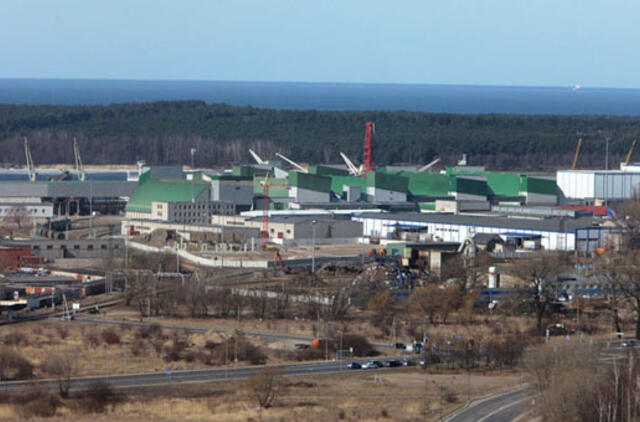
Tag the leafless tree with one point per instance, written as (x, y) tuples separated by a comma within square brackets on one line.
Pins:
[(63, 367), (265, 386), (17, 215), (537, 277)]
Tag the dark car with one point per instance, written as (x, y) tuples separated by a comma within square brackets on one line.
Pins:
[(401, 346), (394, 363), (354, 365), (94, 310)]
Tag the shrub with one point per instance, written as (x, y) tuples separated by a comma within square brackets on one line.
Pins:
[(36, 401), (92, 338), (450, 397), (98, 396), (138, 348), (13, 365), (110, 336), (149, 331), (360, 345), (62, 330), (16, 338)]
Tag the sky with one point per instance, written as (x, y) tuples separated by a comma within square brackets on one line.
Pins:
[(479, 42)]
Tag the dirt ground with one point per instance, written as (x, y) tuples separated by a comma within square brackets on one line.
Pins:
[(406, 395)]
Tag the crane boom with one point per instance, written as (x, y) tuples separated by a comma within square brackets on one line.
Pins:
[(428, 166), (78, 157), (352, 168), (575, 157), (628, 158), (293, 163), (256, 157), (30, 166)]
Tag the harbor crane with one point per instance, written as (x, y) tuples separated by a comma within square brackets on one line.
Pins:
[(256, 157), (293, 163), (428, 166), (30, 166), (79, 165), (628, 157), (577, 154), (353, 170)]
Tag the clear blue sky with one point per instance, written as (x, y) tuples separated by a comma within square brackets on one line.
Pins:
[(494, 42)]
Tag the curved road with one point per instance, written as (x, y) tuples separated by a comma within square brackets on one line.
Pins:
[(503, 407)]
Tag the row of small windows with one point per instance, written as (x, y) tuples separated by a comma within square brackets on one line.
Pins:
[(89, 247)]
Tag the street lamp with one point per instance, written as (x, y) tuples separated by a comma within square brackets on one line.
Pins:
[(313, 247)]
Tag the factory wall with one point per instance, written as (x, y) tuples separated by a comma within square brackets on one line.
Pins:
[(382, 195), (385, 228), (305, 195), (590, 185)]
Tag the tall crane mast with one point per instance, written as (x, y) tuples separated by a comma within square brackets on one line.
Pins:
[(30, 166), (577, 154), (367, 153), (78, 157), (628, 157)]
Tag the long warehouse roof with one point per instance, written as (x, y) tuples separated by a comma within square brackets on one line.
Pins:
[(565, 225)]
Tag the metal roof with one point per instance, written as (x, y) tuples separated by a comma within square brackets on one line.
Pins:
[(160, 190), (557, 224)]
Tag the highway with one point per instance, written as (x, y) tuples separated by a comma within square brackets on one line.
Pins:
[(503, 407), (209, 375)]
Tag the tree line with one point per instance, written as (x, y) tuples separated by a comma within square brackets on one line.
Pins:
[(164, 133)]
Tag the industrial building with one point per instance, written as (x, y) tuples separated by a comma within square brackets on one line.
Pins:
[(599, 186), (554, 233), (301, 228)]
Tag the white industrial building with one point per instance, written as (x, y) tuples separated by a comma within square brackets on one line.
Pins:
[(39, 210), (599, 185), (557, 233)]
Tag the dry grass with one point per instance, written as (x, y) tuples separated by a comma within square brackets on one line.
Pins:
[(405, 395)]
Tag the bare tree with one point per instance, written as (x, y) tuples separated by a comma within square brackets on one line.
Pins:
[(265, 386), (537, 275), (63, 367), (623, 271)]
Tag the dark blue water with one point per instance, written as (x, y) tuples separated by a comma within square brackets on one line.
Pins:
[(330, 96)]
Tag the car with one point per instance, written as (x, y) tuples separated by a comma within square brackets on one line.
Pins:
[(372, 364), (302, 346), (408, 362), (630, 343), (354, 365), (401, 346), (394, 363), (94, 310)]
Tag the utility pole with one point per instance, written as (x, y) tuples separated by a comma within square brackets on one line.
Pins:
[(606, 174), (313, 247)]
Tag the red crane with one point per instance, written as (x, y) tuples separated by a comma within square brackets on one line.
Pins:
[(367, 153)]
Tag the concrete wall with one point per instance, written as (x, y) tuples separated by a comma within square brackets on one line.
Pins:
[(306, 195), (37, 211), (80, 248), (382, 195)]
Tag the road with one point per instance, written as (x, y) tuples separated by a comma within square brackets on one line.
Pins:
[(499, 408), (209, 375), (268, 336)]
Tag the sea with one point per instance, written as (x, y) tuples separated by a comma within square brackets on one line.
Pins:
[(467, 99)]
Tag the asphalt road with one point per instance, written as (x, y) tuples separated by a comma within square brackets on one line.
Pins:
[(268, 336), (500, 408), (209, 375)]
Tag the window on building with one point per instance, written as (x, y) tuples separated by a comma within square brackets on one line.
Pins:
[(89, 247), (49, 246), (103, 246), (36, 247), (76, 246)]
